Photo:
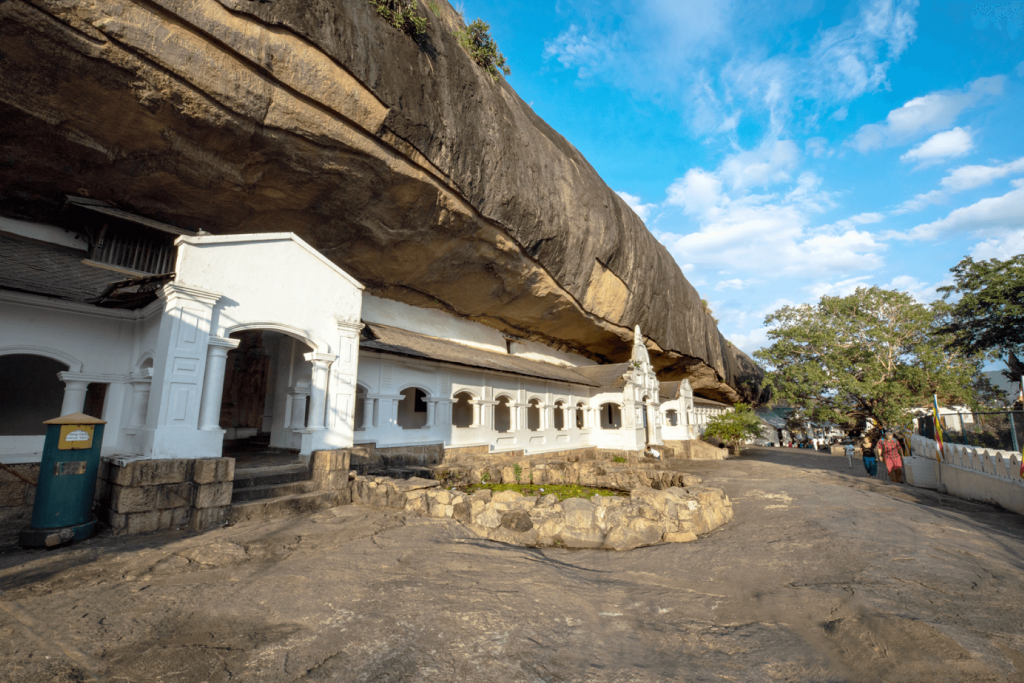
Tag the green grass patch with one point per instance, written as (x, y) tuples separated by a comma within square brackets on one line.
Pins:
[(563, 491)]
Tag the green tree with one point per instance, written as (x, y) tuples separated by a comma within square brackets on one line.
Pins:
[(477, 41), (402, 15), (873, 355), (989, 315), (734, 427)]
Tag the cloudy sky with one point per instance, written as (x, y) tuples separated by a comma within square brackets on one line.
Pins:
[(785, 150)]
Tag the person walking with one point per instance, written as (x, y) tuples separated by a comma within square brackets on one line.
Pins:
[(848, 449), (889, 450), (868, 455)]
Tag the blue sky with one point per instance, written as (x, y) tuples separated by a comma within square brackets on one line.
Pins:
[(785, 150)]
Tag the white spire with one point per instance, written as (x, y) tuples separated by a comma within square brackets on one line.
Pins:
[(639, 347)]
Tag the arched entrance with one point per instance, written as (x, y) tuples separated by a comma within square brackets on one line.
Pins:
[(412, 409), (265, 404), (502, 414), (462, 410), (30, 393)]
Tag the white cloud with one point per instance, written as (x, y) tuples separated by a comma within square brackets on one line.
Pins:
[(959, 180), (991, 217), (921, 291), (641, 209), (697, 192), (842, 288), (751, 341), (840, 114), (868, 218), (939, 147), (770, 163), (926, 114), (676, 48), (1002, 248), (970, 177), (817, 148), (730, 284)]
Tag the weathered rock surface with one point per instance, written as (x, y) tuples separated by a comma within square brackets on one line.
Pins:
[(405, 164), (820, 577)]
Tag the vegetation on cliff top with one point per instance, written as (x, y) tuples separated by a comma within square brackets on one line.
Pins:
[(477, 41), (402, 15)]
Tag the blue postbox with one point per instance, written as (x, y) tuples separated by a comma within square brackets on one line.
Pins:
[(67, 482)]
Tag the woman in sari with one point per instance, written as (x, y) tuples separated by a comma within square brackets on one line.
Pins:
[(889, 450)]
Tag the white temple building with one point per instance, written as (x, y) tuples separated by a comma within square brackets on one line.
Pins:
[(187, 342)]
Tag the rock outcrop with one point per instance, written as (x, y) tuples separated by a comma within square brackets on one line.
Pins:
[(405, 163)]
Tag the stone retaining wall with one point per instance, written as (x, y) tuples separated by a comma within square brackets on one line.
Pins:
[(695, 449), (646, 517), (17, 496), (136, 495)]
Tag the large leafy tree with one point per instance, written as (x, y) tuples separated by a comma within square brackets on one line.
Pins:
[(875, 354), (988, 317)]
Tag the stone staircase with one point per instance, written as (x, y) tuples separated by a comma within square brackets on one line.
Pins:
[(278, 490)]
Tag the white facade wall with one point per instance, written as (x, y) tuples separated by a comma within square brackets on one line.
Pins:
[(683, 430), (105, 346), (986, 475), (435, 323), (383, 377)]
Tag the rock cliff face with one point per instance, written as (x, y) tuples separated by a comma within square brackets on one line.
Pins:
[(406, 164)]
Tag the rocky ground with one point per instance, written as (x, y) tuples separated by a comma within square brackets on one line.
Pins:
[(821, 576)]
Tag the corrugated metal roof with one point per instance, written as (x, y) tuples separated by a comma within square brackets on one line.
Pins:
[(387, 339), (111, 210)]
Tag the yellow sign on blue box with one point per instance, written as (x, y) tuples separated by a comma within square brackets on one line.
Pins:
[(75, 437)]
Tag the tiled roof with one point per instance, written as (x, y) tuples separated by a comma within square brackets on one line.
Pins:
[(669, 391), (606, 375), (387, 339), (51, 270), (707, 401)]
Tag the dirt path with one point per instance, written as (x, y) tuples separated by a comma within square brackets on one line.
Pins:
[(821, 576)]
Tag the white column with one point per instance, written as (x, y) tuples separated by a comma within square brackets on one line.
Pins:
[(213, 381), (476, 413), (298, 415), (318, 388), (74, 392), (141, 385), (367, 413), (431, 413)]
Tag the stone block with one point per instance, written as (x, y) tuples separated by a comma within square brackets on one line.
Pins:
[(212, 495), (133, 499), (461, 511), (506, 496), (174, 496), (213, 470), (583, 538), (488, 517), (143, 522), (117, 522), (103, 473), (121, 475), (102, 494), (12, 494), (579, 513), (680, 537), (153, 472), (208, 518), (649, 531), (517, 520)]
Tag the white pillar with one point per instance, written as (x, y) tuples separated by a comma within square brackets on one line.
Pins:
[(74, 392), (476, 413), (213, 381), (298, 415), (431, 413), (318, 388), (141, 386), (367, 413)]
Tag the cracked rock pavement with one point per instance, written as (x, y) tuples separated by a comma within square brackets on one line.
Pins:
[(821, 576)]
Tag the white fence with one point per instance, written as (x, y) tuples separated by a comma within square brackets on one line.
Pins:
[(980, 474)]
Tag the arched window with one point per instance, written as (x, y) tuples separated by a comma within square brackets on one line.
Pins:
[(412, 409), (30, 392), (672, 418), (462, 410), (559, 415), (533, 415), (502, 415), (581, 416), (611, 416)]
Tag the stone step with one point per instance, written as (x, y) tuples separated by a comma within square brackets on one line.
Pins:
[(275, 490), (284, 506), (265, 476)]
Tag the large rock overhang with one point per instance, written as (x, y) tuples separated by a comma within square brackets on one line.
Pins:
[(405, 164)]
